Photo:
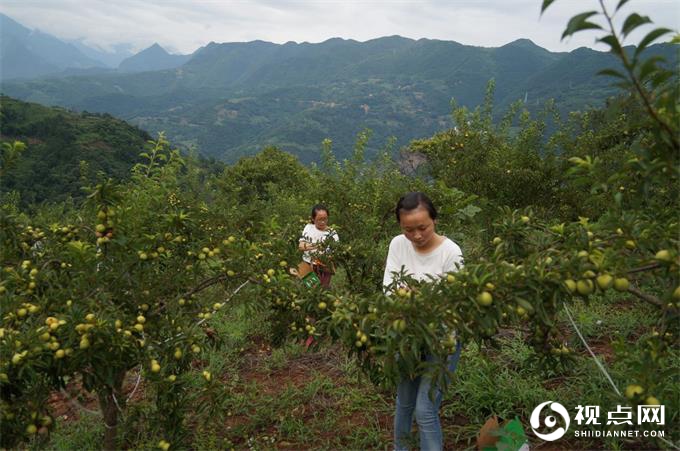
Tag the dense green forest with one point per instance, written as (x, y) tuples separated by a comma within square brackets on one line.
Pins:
[(65, 150), (233, 99), (525, 156)]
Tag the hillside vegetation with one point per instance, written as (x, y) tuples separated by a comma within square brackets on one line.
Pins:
[(65, 150), (233, 99), (161, 310)]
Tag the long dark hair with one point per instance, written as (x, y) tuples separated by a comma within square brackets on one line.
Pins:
[(413, 200), (317, 208)]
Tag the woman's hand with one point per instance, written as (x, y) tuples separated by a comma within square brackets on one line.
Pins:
[(305, 246)]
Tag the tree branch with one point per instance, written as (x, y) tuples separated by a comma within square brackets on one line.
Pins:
[(645, 297), (205, 284), (637, 85), (644, 268), (49, 262)]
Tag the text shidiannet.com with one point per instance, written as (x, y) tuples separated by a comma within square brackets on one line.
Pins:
[(622, 416), (618, 434)]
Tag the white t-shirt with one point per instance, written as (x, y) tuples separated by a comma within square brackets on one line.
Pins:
[(447, 257), (310, 234)]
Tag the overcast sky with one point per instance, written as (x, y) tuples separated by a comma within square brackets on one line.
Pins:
[(182, 26)]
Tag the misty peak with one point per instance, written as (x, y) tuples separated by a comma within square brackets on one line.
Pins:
[(10, 27), (523, 43), (152, 58), (155, 48)]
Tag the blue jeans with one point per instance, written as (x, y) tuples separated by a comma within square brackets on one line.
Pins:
[(413, 396)]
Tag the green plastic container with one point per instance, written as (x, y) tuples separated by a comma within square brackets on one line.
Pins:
[(311, 280)]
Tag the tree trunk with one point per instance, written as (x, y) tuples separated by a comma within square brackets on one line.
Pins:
[(110, 410)]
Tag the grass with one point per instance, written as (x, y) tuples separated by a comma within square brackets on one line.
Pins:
[(611, 316), (293, 398), (298, 402), (86, 433)]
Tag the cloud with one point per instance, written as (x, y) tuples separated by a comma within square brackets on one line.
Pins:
[(185, 25)]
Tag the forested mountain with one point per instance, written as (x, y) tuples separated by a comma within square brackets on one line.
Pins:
[(152, 58), (65, 150), (233, 99), (26, 53)]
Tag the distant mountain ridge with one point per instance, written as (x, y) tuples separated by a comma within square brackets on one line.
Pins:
[(232, 99), (29, 54), (152, 58), (26, 53)]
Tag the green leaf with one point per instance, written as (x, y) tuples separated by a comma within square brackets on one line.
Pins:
[(632, 22), (661, 77), (649, 38), (649, 67), (618, 198), (545, 5), (579, 23), (621, 3), (469, 211), (526, 305), (613, 43), (612, 73)]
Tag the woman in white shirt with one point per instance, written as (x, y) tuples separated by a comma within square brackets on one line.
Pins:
[(311, 243), (422, 253)]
